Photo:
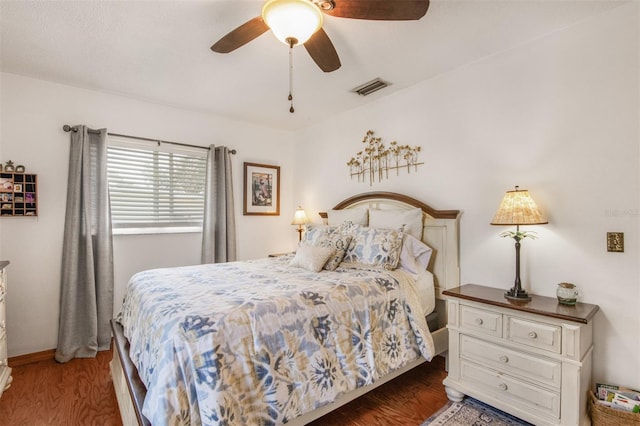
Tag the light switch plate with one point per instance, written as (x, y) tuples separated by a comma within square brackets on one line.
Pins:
[(615, 242)]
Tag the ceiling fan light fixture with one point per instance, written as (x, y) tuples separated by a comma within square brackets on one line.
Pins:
[(292, 20)]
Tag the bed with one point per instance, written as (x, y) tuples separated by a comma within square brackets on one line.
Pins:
[(278, 366)]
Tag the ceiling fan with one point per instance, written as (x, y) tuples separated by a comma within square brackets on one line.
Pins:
[(296, 22)]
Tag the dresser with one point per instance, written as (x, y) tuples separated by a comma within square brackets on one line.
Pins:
[(5, 371), (530, 359)]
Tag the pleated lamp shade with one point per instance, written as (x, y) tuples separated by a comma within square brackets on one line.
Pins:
[(518, 208)]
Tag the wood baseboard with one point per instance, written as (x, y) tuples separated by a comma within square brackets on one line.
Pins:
[(25, 359)]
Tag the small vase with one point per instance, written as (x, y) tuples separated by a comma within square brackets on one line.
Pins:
[(567, 293)]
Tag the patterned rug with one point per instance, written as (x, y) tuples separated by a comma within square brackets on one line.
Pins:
[(471, 412)]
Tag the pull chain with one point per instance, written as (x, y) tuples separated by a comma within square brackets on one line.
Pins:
[(290, 98)]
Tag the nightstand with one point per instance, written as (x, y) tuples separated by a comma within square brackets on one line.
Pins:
[(531, 359)]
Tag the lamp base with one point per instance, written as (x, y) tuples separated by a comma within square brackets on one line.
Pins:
[(517, 294)]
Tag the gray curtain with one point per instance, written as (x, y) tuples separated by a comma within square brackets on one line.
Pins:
[(86, 300), (219, 227)]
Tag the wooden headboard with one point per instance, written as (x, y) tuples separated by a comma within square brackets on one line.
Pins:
[(440, 232)]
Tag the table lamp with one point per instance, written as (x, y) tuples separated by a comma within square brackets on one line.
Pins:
[(299, 218), (518, 208)]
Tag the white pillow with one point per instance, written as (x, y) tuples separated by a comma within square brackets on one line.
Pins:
[(415, 255), (310, 257), (396, 219), (355, 216)]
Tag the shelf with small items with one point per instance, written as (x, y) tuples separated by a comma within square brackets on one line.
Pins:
[(18, 194)]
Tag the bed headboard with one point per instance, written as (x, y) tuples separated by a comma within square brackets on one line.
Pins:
[(440, 232)]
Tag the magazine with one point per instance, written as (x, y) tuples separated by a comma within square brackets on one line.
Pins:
[(618, 397)]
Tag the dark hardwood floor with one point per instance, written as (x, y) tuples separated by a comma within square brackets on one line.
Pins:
[(405, 401), (80, 392)]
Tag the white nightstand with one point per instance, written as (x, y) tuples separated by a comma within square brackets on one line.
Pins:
[(531, 359)]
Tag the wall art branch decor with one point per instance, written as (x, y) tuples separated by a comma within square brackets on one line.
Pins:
[(376, 160)]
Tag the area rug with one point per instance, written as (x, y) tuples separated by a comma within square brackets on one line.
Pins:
[(471, 412)]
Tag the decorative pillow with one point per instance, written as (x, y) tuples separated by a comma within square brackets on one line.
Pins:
[(313, 232), (394, 219), (374, 247), (311, 257), (338, 243), (415, 255), (355, 216)]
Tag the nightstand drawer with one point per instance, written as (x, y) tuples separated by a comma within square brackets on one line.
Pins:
[(525, 395), (480, 320), (543, 370), (535, 334)]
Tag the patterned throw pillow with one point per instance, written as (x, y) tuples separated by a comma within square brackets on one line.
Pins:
[(374, 247), (339, 243), (311, 257), (313, 232)]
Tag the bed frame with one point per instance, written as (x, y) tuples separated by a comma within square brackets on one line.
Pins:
[(440, 232)]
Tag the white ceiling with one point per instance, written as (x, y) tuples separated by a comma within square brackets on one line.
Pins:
[(159, 51)]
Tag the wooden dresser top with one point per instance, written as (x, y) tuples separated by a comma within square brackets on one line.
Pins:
[(540, 305)]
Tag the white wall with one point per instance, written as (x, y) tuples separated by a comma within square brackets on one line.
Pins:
[(32, 115), (558, 116)]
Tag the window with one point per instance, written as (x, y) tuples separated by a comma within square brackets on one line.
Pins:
[(155, 189)]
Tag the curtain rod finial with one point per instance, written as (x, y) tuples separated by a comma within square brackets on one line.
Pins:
[(68, 128)]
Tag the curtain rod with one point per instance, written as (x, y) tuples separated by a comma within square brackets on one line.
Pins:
[(68, 128)]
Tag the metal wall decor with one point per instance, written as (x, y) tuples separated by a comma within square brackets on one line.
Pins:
[(376, 160)]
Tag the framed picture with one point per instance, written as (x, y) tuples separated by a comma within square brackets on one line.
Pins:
[(17, 187), (261, 189)]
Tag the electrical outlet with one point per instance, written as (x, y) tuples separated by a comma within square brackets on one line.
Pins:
[(615, 242)]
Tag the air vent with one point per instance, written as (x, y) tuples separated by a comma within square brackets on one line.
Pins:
[(370, 87)]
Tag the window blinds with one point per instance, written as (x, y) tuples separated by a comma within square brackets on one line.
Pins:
[(157, 187)]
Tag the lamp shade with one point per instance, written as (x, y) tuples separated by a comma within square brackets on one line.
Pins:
[(518, 208), (300, 217), (292, 21)]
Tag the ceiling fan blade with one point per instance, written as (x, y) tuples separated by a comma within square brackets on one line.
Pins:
[(380, 10), (241, 35), (322, 51)]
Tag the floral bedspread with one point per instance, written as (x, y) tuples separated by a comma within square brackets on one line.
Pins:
[(260, 342)]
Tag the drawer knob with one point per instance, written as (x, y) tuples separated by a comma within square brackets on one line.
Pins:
[(503, 386), (504, 359), (533, 334), (479, 321)]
